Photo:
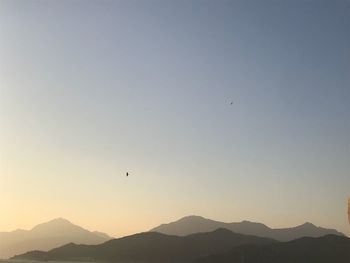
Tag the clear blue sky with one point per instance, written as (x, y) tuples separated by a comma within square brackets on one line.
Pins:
[(92, 89)]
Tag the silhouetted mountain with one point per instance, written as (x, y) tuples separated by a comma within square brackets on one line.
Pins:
[(150, 247), (330, 248), (195, 224), (46, 236)]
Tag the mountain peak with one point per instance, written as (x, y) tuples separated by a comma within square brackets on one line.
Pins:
[(307, 224), (54, 223), (46, 236), (60, 220), (192, 217)]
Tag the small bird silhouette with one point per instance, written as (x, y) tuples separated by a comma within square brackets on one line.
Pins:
[(127, 174), (231, 102)]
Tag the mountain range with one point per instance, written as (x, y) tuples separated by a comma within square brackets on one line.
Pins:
[(219, 246), (189, 238), (195, 224), (150, 247), (329, 248), (46, 236)]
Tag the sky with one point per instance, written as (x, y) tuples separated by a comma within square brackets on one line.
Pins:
[(90, 90)]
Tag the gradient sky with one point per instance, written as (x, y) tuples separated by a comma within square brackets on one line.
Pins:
[(92, 89)]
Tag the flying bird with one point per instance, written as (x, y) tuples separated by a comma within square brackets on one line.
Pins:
[(127, 174), (231, 102)]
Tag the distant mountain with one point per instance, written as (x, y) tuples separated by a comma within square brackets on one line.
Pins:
[(46, 236), (330, 248), (150, 247), (101, 234), (195, 224)]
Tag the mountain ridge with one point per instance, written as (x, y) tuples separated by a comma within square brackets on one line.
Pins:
[(325, 249), (45, 236), (219, 246), (149, 247), (193, 224)]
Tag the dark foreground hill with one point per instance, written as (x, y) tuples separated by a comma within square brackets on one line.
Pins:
[(150, 247), (330, 248), (47, 236), (195, 224)]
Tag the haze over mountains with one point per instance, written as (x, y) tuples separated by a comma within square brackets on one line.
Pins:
[(150, 247), (190, 238), (194, 224), (219, 246), (46, 236)]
